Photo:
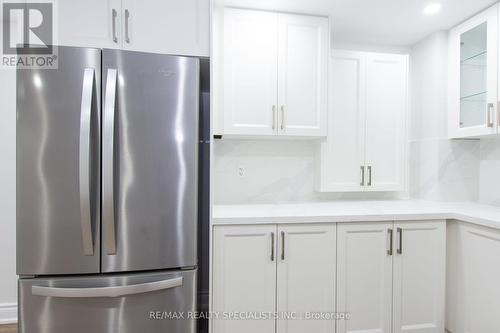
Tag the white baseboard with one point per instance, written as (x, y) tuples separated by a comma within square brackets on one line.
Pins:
[(8, 313)]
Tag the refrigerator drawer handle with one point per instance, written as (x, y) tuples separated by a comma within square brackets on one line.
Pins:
[(85, 161), (108, 146), (107, 291)]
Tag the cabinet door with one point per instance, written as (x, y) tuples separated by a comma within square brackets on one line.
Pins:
[(306, 277), (343, 153), (244, 277), (302, 75), (478, 264), (386, 106), (89, 23), (419, 277), (364, 277), (250, 72), (167, 27), (473, 76)]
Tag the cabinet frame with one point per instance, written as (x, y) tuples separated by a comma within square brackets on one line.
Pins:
[(366, 167), (489, 16), (270, 120)]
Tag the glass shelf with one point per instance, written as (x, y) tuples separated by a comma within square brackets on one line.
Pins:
[(478, 97), (479, 59)]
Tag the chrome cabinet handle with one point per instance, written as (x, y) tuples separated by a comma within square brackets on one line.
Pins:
[(274, 117), (272, 246), (282, 117), (108, 146), (362, 176), (113, 24), (127, 16), (282, 245), (491, 108), (390, 250), (400, 245), (118, 291), (369, 175), (85, 161)]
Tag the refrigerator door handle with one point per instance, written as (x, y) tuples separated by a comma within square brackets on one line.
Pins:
[(118, 291), (85, 161), (108, 214)]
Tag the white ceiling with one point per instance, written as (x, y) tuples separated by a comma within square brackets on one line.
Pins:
[(375, 22)]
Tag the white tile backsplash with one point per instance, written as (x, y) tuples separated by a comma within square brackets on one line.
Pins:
[(445, 170), (276, 171), (490, 172)]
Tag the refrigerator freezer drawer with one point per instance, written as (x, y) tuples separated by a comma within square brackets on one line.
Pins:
[(126, 303)]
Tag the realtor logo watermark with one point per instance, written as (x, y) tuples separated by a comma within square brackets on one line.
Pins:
[(28, 35)]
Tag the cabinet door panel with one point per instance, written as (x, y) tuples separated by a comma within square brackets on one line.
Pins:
[(386, 105), (244, 278), (473, 75), (478, 266), (167, 27), (303, 75), (306, 277), (250, 72), (364, 278), (89, 23), (343, 153), (419, 277)]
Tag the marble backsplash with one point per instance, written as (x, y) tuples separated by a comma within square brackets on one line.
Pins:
[(274, 172), (489, 167), (284, 171), (445, 170)]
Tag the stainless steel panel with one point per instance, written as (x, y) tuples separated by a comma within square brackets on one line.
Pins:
[(49, 220), (155, 151), (124, 314), (108, 171)]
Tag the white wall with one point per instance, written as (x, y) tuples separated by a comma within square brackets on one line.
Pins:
[(8, 286), (441, 169)]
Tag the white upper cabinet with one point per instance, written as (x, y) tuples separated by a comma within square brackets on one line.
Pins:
[(386, 106), (272, 70), (168, 27), (250, 67), (367, 141), (90, 23), (302, 75), (473, 77), (343, 156)]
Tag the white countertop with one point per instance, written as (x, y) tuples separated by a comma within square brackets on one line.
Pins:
[(356, 211)]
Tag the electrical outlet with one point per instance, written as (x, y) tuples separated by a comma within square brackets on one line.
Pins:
[(241, 172)]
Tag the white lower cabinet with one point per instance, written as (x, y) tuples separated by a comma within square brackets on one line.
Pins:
[(472, 287), (391, 277), (364, 277), (386, 277), (306, 278), (244, 277), (254, 265), (419, 277)]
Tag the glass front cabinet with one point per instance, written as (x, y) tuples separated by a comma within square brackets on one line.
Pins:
[(473, 75)]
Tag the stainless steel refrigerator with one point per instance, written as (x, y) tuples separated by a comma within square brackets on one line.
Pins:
[(107, 192)]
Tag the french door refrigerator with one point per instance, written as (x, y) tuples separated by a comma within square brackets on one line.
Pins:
[(107, 165)]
